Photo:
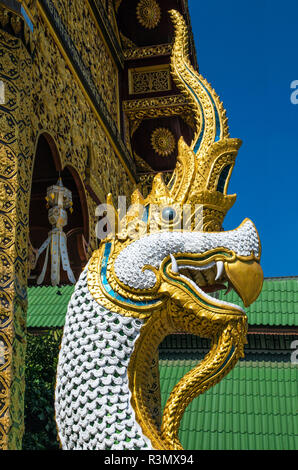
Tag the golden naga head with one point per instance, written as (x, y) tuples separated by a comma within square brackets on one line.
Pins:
[(174, 237), (169, 254)]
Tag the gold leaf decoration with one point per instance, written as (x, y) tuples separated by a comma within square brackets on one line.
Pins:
[(163, 141), (148, 13)]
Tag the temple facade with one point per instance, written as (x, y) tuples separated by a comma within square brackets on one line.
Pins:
[(87, 99), (101, 99)]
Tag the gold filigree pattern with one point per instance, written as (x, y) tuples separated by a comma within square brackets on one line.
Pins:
[(16, 165), (214, 367), (146, 180), (163, 141), (44, 96), (117, 4), (199, 92), (218, 166), (149, 80), (164, 106), (100, 295), (226, 333), (132, 52), (148, 13)]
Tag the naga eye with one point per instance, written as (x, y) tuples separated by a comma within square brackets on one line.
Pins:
[(168, 214)]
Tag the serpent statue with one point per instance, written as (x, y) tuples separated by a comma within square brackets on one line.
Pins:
[(152, 278)]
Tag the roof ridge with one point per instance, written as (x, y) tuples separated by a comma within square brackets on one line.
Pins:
[(57, 287), (280, 278), (245, 432)]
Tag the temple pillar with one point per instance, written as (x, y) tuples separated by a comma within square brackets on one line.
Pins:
[(16, 153)]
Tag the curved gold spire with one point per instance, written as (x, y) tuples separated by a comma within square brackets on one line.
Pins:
[(210, 115), (204, 168)]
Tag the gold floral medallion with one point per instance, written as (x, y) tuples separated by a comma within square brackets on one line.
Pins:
[(148, 13), (163, 141)]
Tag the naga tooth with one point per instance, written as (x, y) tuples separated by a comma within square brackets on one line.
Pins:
[(219, 268), (175, 268)]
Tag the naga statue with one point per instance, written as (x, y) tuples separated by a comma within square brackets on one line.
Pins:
[(138, 289)]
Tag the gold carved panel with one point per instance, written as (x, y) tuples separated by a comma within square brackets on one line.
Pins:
[(91, 46), (149, 79)]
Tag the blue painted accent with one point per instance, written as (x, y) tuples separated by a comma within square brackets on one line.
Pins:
[(228, 358), (171, 184), (223, 178), (107, 286), (225, 362), (146, 214), (200, 137), (217, 120), (27, 19)]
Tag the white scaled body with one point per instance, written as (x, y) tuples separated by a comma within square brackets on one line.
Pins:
[(92, 400)]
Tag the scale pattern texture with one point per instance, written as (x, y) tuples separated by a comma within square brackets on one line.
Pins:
[(153, 248), (92, 400)]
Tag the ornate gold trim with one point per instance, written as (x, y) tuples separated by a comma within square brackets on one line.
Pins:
[(228, 337), (148, 13), (103, 298), (163, 141), (28, 12), (151, 75), (15, 184), (227, 348), (112, 58), (83, 89), (152, 108), (133, 53), (205, 101)]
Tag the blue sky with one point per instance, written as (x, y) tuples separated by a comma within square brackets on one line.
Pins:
[(248, 51)]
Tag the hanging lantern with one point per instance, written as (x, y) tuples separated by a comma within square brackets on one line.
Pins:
[(59, 199)]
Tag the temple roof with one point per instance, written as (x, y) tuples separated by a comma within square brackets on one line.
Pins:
[(252, 408), (47, 306), (276, 305)]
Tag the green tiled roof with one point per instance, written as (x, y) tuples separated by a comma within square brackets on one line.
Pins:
[(253, 408), (277, 304), (47, 306), (173, 345)]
